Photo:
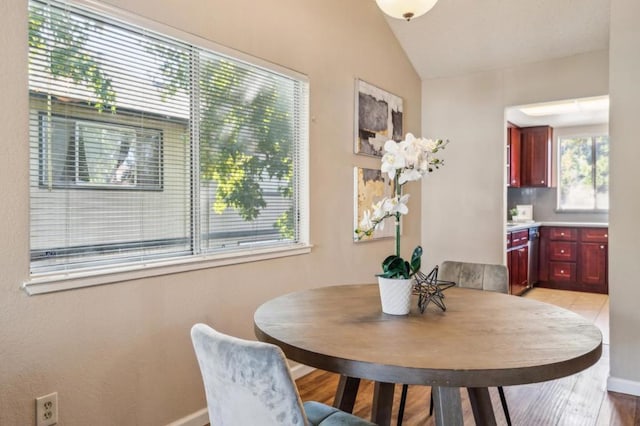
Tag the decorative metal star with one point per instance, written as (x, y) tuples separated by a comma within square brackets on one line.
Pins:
[(430, 289)]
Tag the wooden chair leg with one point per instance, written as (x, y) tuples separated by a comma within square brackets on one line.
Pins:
[(431, 404), (503, 400), (403, 401)]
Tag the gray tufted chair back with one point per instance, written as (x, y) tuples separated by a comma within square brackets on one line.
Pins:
[(476, 275), (249, 383)]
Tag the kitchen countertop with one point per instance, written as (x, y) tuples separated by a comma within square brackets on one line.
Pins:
[(517, 226)]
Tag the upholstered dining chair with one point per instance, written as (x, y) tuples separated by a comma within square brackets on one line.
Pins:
[(249, 383), (479, 276)]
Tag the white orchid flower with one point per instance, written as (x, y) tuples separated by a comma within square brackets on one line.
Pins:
[(378, 211), (387, 205), (404, 161), (366, 223), (423, 167), (401, 207), (393, 159), (408, 175), (431, 145), (413, 150), (396, 205)]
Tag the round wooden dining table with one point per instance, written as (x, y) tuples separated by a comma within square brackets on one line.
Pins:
[(483, 339)]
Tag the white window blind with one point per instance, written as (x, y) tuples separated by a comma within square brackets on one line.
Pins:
[(147, 148)]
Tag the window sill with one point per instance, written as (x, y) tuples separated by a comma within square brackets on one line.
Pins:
[(49, 283)]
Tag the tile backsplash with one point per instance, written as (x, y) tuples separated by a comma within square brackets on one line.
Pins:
[(544, 206)]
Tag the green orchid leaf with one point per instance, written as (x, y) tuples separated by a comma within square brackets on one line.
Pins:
[(395, 267), (394, 263), (406, 270), (416, 260)]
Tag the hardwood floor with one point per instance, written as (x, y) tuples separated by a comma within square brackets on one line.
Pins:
[(577, 400)]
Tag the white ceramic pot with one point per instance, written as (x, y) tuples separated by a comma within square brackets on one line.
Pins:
[(395, 295)]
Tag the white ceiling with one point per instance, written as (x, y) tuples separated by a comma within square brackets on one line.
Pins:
[(464, 36)]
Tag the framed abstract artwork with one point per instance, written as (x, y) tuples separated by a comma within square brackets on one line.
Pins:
[(378, 116), (371, 185)]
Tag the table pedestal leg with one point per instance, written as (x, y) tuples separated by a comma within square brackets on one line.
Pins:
[(382, 403), (447, 406), (481, 406), (346, 393)]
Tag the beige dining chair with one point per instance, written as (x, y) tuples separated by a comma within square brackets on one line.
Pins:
[(479, 276), (249, 383)]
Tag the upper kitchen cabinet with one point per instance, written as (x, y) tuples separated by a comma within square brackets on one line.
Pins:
[(514, 146), (535, 161), (529, 156)]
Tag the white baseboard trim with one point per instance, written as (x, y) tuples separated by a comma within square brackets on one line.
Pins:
[(199, 418), (300, 370), (629, 387)]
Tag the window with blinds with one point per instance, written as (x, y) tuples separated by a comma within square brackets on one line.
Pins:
[(583, 173), (146, 148)]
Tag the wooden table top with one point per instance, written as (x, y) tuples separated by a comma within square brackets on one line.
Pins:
[(483, 339)]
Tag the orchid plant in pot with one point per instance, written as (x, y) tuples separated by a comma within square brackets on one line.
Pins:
[(404, 161)]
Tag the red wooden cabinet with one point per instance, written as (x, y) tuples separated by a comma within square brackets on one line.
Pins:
[(521, 282), (513, 156), (594, 259), (536, 156), (563, 234), (562, 251), (574, 258), (594, 235), (518, 261), (562, 271)]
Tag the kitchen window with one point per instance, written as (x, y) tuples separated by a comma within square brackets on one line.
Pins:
[(583, 173), (151, 150)]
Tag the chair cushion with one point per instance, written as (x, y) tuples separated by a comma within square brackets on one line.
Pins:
[(323, 415)]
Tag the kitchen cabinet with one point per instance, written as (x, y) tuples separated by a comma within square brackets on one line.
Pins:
[(535, 158), (573, 258), (593, 255), (518, 261), (529, 156), (513, 156)]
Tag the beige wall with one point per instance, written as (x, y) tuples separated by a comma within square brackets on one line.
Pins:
[(120, 354), (463, 206), (624, 268)]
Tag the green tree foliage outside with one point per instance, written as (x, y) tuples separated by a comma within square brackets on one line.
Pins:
[(245, 138), (242, 142), (64, 40), (584, 183)]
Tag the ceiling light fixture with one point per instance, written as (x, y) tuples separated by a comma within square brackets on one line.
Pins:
[(405, 9), (566, 107)]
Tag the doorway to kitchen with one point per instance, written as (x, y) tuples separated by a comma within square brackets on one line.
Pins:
[(558, 160), (557, 198), (557, 195)]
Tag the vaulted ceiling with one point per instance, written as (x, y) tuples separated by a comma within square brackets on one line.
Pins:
[(464, 36)]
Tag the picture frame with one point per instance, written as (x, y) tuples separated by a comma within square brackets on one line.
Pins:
[(378, 117), (371, 186)]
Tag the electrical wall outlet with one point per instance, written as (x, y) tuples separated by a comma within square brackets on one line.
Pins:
[(47, 410)]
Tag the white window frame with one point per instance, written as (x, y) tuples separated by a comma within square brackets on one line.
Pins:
[(76, 183), (67, 280)]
